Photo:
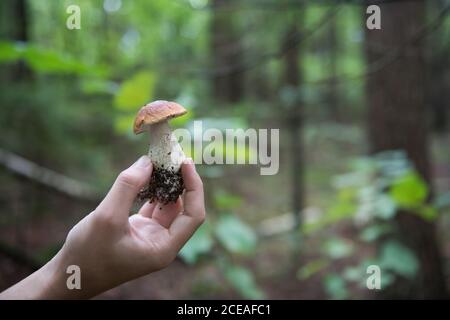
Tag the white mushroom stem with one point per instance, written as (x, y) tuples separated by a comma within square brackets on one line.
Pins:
[(164, 150)]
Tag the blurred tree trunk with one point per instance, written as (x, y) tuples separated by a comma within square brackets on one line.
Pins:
[(397, 120), (15, 28), (228, 81), (438, 75), (333, 88), (295, 119)]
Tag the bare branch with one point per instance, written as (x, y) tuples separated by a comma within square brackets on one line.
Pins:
[(47, 177)]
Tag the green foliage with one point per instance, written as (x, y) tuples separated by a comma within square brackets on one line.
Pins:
[(98, 86), (9, 52), (409, 191), (135, 92), (343, 207), (374, 232), (371, 195), (132, 94), (234, 235), (398, 259), (225, 201), (337, 248), (376, 189), (385, 207), (311, 268), (201, 243), (335, 286), (242, 280), (46, 61)]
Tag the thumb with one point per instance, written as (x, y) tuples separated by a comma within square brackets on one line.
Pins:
[(119, 200)]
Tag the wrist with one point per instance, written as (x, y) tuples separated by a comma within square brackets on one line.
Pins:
[(59, 279), (49, 282), (52, 279)]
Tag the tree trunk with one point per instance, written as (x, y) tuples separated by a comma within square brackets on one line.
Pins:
[(438, 75), (16, 29), (397, 120), (226, 52), (295, 120), (333, 88)]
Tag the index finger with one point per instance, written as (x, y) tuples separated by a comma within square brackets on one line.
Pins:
[(184, 225)]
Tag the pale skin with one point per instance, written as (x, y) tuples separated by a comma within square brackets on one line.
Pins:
[(111, 246)]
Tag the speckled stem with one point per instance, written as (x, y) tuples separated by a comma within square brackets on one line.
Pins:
[(166, 183), (164, 149)]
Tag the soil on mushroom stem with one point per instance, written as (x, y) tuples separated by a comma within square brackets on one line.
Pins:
[(165, 186)]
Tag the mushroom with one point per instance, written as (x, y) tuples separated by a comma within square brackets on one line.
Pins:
[(166, 154)]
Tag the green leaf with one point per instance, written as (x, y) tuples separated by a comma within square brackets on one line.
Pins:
[(385, 207), (374, 232), (311, 268), (427, 213), (98, 86), (200, 243), (241, 279), (123, 124), (44, 60), (337, 248), (341, 210), (387, 278), (354, 274), (234, 235), (399, 259), (409, 191), (9, 52), (135, 92), (226, 201), (335, 286), (47, 61), (393, 163)]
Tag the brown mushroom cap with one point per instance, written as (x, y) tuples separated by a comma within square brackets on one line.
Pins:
[(155, 112)]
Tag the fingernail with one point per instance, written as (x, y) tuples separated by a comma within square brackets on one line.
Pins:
[(188, 161), (142, 162)]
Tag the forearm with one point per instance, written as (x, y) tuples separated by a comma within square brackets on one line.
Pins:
[(109, 247), (49, 282)]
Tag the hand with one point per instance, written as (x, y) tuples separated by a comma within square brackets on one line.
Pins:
[(111, 247)]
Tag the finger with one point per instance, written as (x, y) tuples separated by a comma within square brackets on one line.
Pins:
[(184, 225), (147, 209), (119, 200), (165, 214), (194, 204)]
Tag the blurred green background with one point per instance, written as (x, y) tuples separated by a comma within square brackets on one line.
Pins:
[(363, 115)]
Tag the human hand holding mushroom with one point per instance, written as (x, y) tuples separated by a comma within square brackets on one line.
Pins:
[(111, 247)]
